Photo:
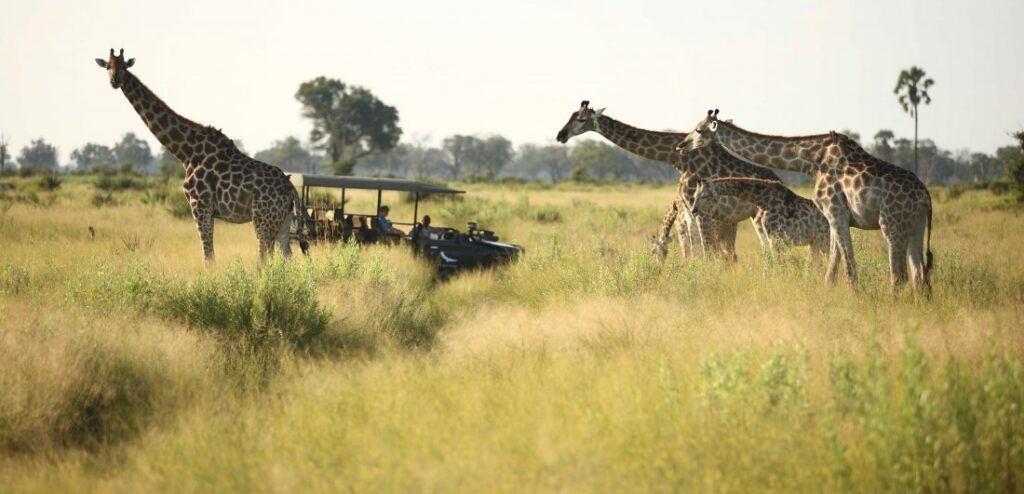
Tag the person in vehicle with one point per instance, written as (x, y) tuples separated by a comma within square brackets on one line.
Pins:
[(384, 224), (421, 232)]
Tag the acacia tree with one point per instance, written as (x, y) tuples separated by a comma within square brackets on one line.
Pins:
[(915, 86), (349, 122)]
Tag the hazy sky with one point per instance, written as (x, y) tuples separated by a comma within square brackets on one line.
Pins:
[(517, 68)]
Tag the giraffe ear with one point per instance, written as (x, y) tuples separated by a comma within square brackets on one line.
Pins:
[(102, 63), (599, 112), (131, 61), (714, 126)]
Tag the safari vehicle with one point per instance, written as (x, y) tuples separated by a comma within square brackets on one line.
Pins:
[(449, 249)]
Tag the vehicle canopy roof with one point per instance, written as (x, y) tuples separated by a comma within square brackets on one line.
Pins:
[(299, 180)]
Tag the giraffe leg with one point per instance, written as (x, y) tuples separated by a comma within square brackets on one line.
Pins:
[(704, 234), (834, 255), (915, 254), (727, 240), (204, 224), (682, 237), (284, 238), (266, 234), (846, 244), (761, 230), (897, 259)]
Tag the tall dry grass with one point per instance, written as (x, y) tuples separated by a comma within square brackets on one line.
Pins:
[(130, 366)]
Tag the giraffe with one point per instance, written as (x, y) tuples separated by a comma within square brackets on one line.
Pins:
[(690, 222), (787, 216), (220, 181), (661, 146), (852, 188)]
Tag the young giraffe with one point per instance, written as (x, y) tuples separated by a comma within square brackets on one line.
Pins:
[(220, 181), (852, 188), (788, 216), (660, 146), (691, 221)]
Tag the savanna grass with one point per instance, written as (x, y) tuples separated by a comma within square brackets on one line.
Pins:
[(583, 366)]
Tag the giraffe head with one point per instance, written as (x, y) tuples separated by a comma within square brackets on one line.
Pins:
[(659, 247), (582, 120), (703, 134), (116, 67)]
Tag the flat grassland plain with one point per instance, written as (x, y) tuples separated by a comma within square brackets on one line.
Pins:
[(126, 365)]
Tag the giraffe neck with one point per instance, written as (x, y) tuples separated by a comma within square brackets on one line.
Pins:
[(658, 146), (177, 133), (799, 154), (763, 193)]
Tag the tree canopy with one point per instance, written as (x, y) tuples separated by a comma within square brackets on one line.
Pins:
[(289, 155), (39, 155), (92, 154), (133, 150), (349, 122)]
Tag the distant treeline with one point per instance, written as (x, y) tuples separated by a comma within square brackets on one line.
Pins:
[(493, 157)]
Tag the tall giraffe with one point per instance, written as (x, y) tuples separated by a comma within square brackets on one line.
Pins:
[(660, 146), (789, 217), (220, 181), (852, 188)]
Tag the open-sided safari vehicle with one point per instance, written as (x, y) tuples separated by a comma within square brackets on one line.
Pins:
[(449, 249)]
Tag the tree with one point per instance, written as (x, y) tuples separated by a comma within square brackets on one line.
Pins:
[(552, 161), (597, 160), (3, 154), (169, 166), (462, 149), (38, 156), (915, 86), (348, 122), (491, 155), (92, 154), (133, 150), (289, 155), (1015, 164), (882, 148)]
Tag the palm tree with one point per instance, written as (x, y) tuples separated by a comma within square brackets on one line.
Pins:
[(912, 81)]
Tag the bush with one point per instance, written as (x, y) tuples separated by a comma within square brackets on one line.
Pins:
[(277, 304), (178, 206), (104, 199), (113, 397), (49, 182)]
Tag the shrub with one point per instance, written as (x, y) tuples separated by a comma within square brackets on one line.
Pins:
[(178, 206), (547, 215), (277, 304), (113, 396), (103, 199), (49, 182)]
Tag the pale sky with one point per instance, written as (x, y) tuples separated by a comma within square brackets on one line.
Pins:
[(517, 68)]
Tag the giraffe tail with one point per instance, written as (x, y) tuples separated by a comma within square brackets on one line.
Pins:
[(928, 245), (303, 219)]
